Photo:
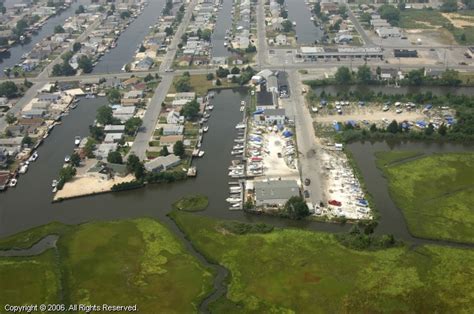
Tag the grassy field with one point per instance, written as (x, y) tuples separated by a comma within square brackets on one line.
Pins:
[(125, 262), (29, 280), (200, 85), (435, 194), (425, 18), (192, 203), (289, 270)]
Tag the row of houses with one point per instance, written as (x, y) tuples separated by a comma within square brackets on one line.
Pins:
[(241, 36)]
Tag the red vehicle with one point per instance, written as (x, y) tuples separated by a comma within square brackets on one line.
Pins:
[(335, 203)]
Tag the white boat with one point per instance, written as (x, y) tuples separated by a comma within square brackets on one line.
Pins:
[(238, 147), (55, 189), (77, 140), (237, 152), (240, 126), (242, 102), (23, 169), (90, 95), (54, 183), (13, 183), (210, 107), (34, 156), (239, 140), (294, 23), (67, 158), (206, 128), (242, 109), (225, 44), (233, 199), (201, 153)]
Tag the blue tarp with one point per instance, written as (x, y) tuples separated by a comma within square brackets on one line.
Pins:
[(337, 127), (428, 106), (287, 134), (258, 112)]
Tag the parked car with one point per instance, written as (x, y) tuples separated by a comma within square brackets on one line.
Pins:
[(306, 193)]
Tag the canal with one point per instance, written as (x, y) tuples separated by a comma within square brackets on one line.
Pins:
[(16, 52), (224, 22), (130, 39), (305, 29)]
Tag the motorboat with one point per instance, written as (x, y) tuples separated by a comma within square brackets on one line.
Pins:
[(240, 126), (54, 183), (233, 200), (201, 153), (13, 183), (67, 159), (23, 169), (77, 140), (210, 107), (34, 156), (206, 128)]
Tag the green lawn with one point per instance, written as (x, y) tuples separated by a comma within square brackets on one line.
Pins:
[(200, 85), (436, 194), (126, 262), (192, 203), (297, 271)]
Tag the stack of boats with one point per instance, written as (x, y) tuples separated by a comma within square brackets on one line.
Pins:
[(237, 170), (235, 198)]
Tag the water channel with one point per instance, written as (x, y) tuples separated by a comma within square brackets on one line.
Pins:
[(130, 39), (307, 32), (224, 22), (16, 52)]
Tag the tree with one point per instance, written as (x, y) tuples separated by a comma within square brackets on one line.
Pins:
[(26, 141), (451, 78), (317, 9), (114, 96), (97, 133), (76, 47), (75, 159), (8, 89), (132, 125), (363, 74), (393, 127), (59, 29), (164, 151), (463, 37), (218, 82), (125, 15), (10, 118), (235, 70), (210, 76), (390, 13), (85, 64), (67, 55), (343, 76), (169, 31), (296, 208), (114, 158), (104, 115), (148, 78), (449, 6), (178, 149), (251, 48), (442, 130), (221, 72), (429, 130), (284, 14), (67, 173), (89, 148), (287, 26), (373, 128), (135, 166), (183, 84), (80, 9), (190, 110), (142, 48), (416, 77), (378, 71)]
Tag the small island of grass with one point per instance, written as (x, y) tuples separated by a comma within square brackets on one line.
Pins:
[(192, 203), (434, 192)]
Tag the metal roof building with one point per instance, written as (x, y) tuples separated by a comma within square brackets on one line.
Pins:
[(275, 193)]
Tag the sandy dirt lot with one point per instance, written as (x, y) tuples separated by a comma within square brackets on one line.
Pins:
[(273, 166), (458, 20), (87, 185)]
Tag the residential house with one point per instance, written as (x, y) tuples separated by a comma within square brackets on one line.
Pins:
[(162, 163), (173, 129)]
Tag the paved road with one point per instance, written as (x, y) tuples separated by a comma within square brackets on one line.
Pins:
[(262, 48), (368, 42), (140, 145), (308, 147)]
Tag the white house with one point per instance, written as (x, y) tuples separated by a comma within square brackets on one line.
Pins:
[(173, 117)]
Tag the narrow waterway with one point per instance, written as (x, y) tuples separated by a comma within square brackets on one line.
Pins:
[(392, 220), (130, 39), (16, 52), (224, 22), (305, 29)]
